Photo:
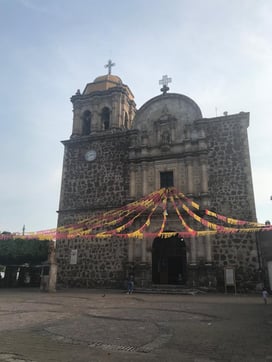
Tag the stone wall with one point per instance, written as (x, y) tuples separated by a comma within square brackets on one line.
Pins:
[(238, 251), (96, 185), (209, 160), (230, 182), (100, 262)]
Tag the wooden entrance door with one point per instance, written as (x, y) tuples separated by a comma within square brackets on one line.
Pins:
[(169, 264)]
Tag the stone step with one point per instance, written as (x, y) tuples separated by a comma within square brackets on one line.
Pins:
[(169, 289)]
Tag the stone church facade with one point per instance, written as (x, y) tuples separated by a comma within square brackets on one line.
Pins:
[(118, 154)]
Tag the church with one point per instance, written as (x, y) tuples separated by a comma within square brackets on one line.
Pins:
[(118, 154)]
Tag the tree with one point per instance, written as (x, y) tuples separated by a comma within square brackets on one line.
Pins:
[(20, 251)]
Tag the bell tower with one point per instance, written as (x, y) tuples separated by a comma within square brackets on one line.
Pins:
[(105, 104), (95, 166)]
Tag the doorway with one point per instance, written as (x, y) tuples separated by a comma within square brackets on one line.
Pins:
[(169, 262)]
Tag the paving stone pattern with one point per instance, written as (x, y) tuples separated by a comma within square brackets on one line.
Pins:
[(113, 326)]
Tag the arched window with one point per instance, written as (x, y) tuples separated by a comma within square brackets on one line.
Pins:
[(167, 179), (87, 117), (105, 118)]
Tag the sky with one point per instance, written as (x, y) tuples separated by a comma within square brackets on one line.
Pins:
[(217, 52)]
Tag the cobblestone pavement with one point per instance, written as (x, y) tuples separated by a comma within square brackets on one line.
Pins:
[(95, 325)]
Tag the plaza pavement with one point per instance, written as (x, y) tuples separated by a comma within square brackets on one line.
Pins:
[(109, 325)]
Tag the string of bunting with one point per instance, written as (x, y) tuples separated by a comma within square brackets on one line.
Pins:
[(138, 215), (223, 218)]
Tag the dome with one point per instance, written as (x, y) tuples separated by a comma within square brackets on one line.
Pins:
[(175, 105), (164, 113), (103, 83), (108, 78)]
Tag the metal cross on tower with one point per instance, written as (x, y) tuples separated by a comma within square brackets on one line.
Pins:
[(164, 82), (109, 65)]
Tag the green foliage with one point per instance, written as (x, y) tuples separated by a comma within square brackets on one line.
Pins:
[(20, 251)]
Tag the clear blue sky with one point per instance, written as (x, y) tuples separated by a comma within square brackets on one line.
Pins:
[(217, 52)]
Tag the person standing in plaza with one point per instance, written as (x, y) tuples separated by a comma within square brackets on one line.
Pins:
[(130, 284), (264, 295)]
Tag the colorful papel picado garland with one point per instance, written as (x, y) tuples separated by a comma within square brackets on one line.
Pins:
[(134, 220)]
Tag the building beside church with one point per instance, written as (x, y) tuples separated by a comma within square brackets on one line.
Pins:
[(117, 154)]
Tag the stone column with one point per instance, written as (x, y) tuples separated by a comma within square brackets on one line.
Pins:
[(116, 116), (77, 127), (114, 113), (130, 116), (52, 278), (96, 119), (132, 185), (130, 250), (149, 251), (144, 179), (121, 111), (204, 176), (53, 267), (193, 251), (208, 249), (143, 250), (138, 181), (201, 251), (190, 186)]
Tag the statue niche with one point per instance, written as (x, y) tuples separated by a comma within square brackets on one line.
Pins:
[(164, 128), (165, 138)]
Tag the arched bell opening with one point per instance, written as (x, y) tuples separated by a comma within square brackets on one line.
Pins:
[(169, 261), (86, 126), (105, 118)]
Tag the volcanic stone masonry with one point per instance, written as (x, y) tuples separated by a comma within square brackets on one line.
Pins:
[(117, 154)]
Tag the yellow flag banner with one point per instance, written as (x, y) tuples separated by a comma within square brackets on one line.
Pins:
[(134, 220)]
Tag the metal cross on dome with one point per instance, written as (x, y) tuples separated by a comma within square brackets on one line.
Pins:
[(109, 65), (164, 82)]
